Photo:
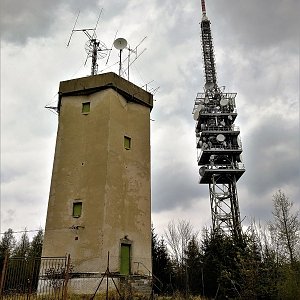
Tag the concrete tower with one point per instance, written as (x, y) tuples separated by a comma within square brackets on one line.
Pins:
[(99, 198)]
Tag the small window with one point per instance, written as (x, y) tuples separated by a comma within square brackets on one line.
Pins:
[(127, 142), (77, 209), (86, 107)]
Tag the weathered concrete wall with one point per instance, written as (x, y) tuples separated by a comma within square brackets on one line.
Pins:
[(91, 165)]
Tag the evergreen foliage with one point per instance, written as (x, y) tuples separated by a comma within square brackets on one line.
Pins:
[(7, 245), (161, 265), (22, 247), (265, 264), (36, 245), (193, 261), (23, 267)]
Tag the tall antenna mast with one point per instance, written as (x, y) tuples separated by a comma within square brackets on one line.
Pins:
[(94, 48), (203, 7), (218, 143), (208, 51)]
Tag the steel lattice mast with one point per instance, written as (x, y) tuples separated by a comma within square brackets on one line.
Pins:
[(218, 143)]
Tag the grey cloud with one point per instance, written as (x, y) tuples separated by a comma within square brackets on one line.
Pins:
[(272, 156), (175, 186), (22, 20), (257, 23)]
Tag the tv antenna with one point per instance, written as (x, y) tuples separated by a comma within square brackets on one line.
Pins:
[(94, 47)]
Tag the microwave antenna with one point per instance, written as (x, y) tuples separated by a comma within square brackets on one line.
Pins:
[(94, 47), (121, 44)]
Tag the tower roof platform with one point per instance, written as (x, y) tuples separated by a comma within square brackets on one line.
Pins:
[(222, 175), (92, 84)]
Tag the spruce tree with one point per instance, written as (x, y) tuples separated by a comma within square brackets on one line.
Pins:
[(194, 267), (7, 245)]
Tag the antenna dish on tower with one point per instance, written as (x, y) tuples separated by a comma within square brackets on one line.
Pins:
[(220, 138), (202, 171), (209, 85), (120, 43), (223, 102)]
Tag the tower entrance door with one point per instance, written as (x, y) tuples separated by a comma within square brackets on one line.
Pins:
[(125, 259)]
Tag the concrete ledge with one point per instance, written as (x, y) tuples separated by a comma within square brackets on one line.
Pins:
[(92, 84)]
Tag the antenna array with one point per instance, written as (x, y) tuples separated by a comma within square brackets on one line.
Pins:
[(94, 48), (218, 143)]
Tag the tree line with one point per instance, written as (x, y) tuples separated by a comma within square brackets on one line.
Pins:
[(22, 248), (23, 264), (265, 265)]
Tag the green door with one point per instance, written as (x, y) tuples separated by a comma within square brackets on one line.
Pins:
[(125, 259)]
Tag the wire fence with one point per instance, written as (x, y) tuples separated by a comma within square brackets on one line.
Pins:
[(32, 278), (44, 278)]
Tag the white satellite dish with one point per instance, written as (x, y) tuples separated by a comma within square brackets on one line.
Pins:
[(220, 138), (224, 102), (200, 107), (229, 117), (206, 100), (196, 115), (120, 43), (202, 126)]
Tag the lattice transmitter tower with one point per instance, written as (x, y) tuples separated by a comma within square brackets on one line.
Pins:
[(218, 144)]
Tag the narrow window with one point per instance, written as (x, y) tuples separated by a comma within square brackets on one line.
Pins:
[(77, 209), (86, 107), (127, 142)]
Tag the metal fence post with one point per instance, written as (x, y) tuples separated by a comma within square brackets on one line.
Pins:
[(3, 274), (65, 287)]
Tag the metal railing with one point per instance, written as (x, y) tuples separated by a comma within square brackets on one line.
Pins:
[(150, 274), (34, 277)]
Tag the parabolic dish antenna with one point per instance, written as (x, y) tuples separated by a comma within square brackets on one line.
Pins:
[(202, 171), (200, 107), (196, 115), (120, 43), (224, 102), (239, 142), (220, 138), (209, 85)]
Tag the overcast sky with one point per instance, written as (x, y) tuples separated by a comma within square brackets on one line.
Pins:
[(257, 55)]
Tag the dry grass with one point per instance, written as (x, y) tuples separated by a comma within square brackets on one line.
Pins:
[(111, 296)]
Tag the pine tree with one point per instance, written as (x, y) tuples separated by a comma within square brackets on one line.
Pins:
[(23, 246), (36, 245), (34, 255), (194, 267), (221, 266), (7, 245), (161, 264)]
